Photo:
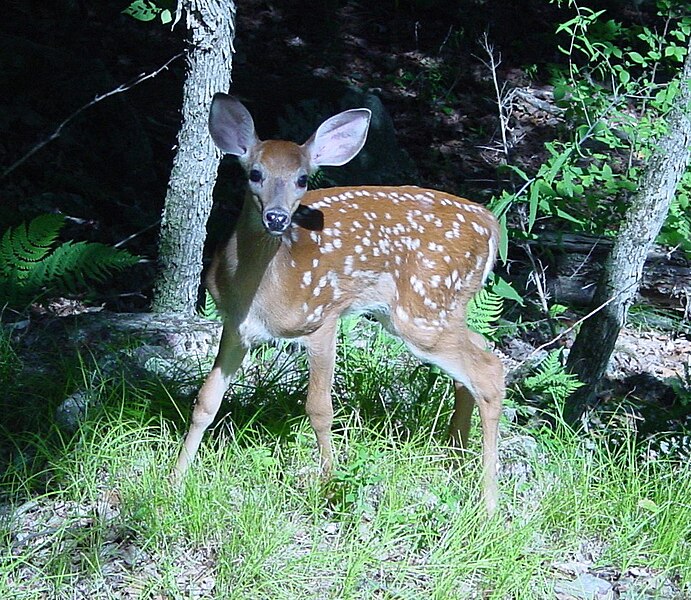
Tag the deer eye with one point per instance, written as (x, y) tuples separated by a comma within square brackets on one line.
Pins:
[(255, 175), (302, 181)]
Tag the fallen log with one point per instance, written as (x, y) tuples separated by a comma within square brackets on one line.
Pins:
[(573, 263)]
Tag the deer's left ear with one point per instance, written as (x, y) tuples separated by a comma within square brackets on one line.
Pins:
[(339, 138)]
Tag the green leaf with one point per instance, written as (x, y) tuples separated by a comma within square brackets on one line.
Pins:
[(568, 217), (520, 172), (500, 205), (142, 10), (560, 91), (503, 239), (505, 290), (532, 206), (166, 17), (637, 58), (649, 505)]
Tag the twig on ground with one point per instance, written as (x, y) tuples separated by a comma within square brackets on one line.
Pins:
[(574, 325)]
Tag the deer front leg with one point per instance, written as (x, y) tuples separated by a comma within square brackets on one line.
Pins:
[(321, 351), (230, 355)]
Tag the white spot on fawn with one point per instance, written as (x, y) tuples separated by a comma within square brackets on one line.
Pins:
[(418, 285), (306, 278), (430, 303), (402, 314), (479, 228), (348, 265)]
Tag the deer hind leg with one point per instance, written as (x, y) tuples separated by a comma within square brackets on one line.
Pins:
[(321, 352), (487, 383), (459, 427), (478, 375), (229, 358)]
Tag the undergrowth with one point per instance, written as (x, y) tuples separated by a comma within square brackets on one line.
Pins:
[(401, 518)]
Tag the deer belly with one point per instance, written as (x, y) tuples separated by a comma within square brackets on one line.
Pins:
[(266, 325), (255, 330)]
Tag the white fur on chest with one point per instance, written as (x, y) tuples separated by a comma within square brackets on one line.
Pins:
[(254, 330)]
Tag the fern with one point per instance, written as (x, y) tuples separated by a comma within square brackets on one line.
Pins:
[(209, 311), (484, 309), (318, 179), (552, 379), (32, 266)]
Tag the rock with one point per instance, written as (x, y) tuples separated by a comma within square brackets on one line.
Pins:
[(73, 410), (584, 587)]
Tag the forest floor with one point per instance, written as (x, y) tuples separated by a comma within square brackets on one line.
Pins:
[(591, 516)]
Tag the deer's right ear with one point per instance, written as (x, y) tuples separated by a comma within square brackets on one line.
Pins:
[(231, 126)]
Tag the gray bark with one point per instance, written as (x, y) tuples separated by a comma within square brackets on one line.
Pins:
[(189, 198), (621, 277)]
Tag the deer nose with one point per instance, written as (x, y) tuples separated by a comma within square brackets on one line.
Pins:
[(276, 221)]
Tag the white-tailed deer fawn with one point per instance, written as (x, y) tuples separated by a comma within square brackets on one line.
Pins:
[(300, 259)]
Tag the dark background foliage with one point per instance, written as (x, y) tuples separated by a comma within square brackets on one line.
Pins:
[(295, 60)]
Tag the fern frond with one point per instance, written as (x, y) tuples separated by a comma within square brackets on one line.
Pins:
[(209, 311), (22, 247), (484, 309), (552, 379), (72, 264), (317, 180), (31, 266)]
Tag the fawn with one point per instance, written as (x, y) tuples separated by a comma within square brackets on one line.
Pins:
[(299, 259)]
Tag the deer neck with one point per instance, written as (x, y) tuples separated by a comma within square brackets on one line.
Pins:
[(248, 257)]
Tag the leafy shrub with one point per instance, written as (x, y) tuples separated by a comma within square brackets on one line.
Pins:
[(618, 85)]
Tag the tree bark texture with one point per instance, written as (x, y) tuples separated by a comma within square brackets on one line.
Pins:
[(623, 270), (211, 24)]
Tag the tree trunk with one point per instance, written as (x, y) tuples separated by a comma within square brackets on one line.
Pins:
[(621, 277), (188, 202)]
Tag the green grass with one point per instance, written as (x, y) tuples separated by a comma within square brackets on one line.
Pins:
[(94, 515)]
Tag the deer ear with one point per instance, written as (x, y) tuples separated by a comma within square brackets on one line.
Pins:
[(339, 139), (231, 126)]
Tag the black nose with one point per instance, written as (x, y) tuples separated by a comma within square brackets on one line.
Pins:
[(276, 221)]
